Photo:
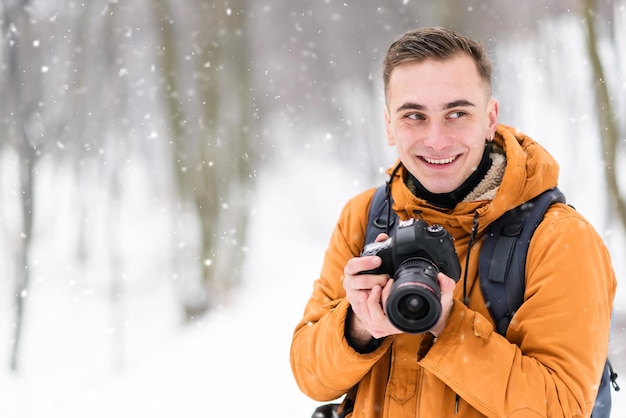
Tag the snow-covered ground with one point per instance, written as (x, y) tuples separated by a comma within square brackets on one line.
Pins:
[(232, 363)]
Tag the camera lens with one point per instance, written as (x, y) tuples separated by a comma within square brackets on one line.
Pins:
[(413, 305)]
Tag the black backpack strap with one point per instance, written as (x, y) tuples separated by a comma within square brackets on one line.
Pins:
[(380, 217), (502, 270), (502, 262), (602, 406)]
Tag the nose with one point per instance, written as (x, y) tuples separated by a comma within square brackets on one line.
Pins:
[(436, 136)]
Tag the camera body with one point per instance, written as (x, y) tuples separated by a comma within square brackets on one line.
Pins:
[(413, 257)]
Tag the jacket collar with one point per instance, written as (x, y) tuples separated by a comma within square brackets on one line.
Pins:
[(521, 170)]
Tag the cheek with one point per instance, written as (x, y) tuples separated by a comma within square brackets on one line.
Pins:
[(406, 137), (391, 141), (476, 154)]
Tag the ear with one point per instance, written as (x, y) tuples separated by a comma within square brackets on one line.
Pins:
[(390, 138), (492, 115)]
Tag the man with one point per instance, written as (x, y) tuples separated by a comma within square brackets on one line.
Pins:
[(461, 169)]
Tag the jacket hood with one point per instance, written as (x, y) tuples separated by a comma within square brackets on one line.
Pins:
[(530, 170)]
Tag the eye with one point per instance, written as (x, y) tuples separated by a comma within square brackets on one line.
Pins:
[(456, 114), (415, 116)]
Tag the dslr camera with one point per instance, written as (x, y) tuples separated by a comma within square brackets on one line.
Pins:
[(413, 257)]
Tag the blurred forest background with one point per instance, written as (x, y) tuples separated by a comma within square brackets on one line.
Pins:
[(198, 98)]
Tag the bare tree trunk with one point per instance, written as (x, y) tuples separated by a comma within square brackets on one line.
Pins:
[(27, 156), (607, 118), (115, 109), (17, 28), (229, 118), (173, 70), (211, 140)]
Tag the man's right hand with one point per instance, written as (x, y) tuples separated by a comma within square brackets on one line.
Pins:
[(367, 294)]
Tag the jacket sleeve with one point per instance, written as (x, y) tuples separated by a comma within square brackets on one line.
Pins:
[(324, 365), (550, 363)]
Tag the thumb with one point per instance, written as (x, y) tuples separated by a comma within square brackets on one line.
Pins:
[(446, 283)]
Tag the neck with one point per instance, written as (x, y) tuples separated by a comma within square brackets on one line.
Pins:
[(451, 199)]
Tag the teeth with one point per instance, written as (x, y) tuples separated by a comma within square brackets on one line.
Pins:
[(443, 161)]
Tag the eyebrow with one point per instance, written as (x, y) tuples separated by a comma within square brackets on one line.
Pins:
[(451, 105)]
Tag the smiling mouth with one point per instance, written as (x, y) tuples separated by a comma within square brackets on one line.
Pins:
[(440, 161)]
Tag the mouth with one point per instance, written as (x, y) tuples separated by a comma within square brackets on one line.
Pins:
[(440, 161)]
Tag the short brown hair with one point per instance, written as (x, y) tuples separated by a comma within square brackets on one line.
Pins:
[(435, 43)]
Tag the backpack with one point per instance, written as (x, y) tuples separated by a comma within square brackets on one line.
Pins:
[(501, 265)]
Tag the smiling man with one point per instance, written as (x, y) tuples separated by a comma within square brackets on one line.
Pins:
[(460, 169), (438, 115)]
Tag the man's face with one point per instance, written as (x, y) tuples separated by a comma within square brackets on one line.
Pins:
[(438, 116)]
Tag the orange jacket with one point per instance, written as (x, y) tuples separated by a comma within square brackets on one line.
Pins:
[(550, 362)]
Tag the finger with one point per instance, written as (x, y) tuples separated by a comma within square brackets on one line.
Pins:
[(382, 237), (375, 304), (386, 291), (380, 325), (446, 284), (359, 305), (357, 265)]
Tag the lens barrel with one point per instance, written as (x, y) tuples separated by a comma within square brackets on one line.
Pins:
[(414, 304)]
